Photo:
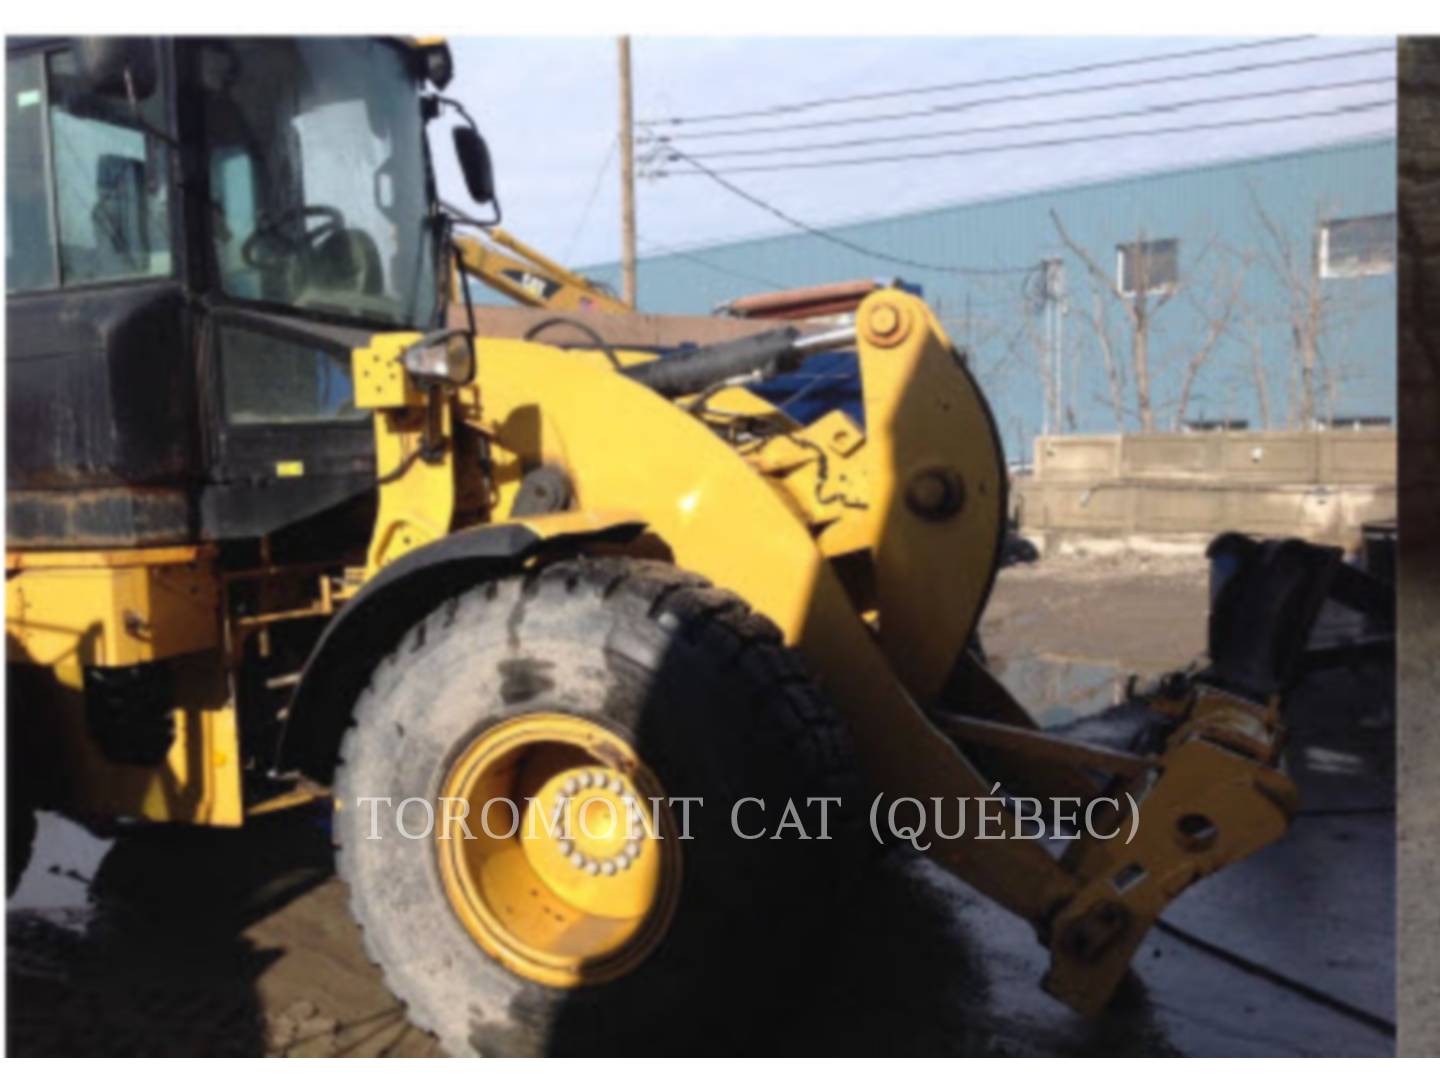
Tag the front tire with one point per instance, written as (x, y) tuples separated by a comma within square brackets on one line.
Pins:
[(673, 683)]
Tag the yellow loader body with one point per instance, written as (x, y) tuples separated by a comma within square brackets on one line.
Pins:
[(872, 550)]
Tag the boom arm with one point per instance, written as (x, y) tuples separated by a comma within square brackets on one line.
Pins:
[(524, 275)]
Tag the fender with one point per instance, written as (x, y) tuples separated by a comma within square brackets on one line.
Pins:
[(374, 620)]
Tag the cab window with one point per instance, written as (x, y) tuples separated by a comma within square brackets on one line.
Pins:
[(268, 380), (92, 202), (232, 194), (29, 239)]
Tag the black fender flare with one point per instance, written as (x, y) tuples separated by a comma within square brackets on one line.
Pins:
[(373, 621)]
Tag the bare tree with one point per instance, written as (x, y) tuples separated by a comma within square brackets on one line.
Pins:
[(1140, 305), (1255, 344), (1036, 353), (1318, 321), (1304, 307), (1228, 285), (1214, 297), (1097, 318), (989, 339)]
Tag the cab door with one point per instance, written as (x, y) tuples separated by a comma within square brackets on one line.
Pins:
[(102, 422)]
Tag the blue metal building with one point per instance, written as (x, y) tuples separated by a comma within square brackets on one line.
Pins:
[(1268, 283)]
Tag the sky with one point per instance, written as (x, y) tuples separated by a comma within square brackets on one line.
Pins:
[(549, 109)]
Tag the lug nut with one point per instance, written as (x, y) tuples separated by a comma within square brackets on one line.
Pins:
[(607, 868), (592, 867)]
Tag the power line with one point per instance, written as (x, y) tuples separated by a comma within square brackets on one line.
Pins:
[(899, 260), (972, 84), (590, 199), (1048, 185), (987, 129), (1034, 95), (1007, 147)]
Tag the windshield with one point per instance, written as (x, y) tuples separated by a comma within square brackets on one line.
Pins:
[(315, 150)]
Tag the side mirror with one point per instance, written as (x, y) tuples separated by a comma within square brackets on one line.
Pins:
[(119, 66), (474, 158)]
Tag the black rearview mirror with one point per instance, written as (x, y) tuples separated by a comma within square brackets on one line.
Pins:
[(119, 66), (474, 158)]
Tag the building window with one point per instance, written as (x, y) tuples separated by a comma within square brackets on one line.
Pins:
[(1358, 246), (1149, 266)]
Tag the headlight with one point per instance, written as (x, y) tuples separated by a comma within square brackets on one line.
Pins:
[(446, 356)]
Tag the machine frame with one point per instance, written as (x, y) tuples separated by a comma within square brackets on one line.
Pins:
[(872, 548)]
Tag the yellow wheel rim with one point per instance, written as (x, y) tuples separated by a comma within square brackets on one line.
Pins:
[(557, 850)]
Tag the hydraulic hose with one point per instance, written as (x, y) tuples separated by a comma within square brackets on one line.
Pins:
[(744, 359)]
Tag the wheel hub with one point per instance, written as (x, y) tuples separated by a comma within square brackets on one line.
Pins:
[(590, 842), (584, 885)]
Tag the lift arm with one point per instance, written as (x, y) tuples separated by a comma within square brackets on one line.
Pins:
[(524, 275)]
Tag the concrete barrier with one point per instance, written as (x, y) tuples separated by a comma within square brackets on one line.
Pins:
[(1177, 490)]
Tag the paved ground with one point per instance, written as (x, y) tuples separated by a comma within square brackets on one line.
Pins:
[(240, 943)]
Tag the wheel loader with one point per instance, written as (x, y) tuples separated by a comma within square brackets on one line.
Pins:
[(282, 528)]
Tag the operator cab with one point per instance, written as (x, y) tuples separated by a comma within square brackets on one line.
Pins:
[(198, 233)]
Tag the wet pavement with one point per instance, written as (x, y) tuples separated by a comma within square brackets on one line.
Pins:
[(1293, 950), (240, 942)]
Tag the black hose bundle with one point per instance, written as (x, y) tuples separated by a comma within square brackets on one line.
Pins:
[(694, 370)]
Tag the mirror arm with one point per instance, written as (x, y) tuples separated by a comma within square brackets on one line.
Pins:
[(468, 220), (451, 103), (464, 288), (432, 440), (458, 107)]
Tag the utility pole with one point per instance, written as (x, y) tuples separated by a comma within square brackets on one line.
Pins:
[(627, 176), (1055, 306)]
